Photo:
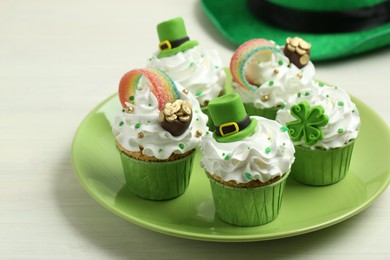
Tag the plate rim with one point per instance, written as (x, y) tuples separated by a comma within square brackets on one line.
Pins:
[(225, 238)]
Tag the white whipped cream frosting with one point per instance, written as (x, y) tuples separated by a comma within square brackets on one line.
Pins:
[(198, 69), (156, 141), (344, 118), (276, 80), (266, 154)]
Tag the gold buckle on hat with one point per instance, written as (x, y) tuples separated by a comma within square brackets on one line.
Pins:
[(237, 128), (165, 45)]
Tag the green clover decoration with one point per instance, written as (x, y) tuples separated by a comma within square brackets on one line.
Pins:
[(308, 123)]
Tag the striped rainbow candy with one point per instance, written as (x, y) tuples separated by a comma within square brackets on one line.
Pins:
[(243, 54), (162, 86)]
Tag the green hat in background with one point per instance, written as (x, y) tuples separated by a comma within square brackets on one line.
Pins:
[(173, 37), (335, 28), (231, 121)]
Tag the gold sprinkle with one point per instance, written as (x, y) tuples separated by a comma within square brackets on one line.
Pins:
[(185, 91), (198, 133), (276, 71), (140, 135), (265, 98), (130, 110), (299, 75)]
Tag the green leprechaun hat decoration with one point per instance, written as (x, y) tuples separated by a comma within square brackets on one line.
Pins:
[(230, 119), (173, 37)]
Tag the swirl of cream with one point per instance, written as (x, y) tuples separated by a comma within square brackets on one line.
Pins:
[(155, 140), (266, 154), (198, 70), (344, 120), (277, 80)]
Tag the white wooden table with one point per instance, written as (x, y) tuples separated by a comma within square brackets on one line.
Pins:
[(58, 60)]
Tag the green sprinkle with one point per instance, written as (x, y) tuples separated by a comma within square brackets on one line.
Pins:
[(353, 110), (282, 105), (271, 83), (284, 144), (216, 67), (269, 138), (197, 119), (280, 62), (321, 84), (121, 123), (131, 98), (227, 156), (137, 125), (249, 148), (160, 150), (340, 103), (340, 130), (181, 145), (123, 110), (267, 150), (307, 94), (196, 111), (150, 105), (198, 93), (284, 129), (248, 176), (327, 96), (299, 94), (192, 63)]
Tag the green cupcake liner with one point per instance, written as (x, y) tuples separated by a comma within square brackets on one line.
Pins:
[(269, 113), (321, 167), (248, 206), (157, 180)]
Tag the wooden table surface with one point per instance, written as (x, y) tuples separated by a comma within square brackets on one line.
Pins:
[(58, 60)]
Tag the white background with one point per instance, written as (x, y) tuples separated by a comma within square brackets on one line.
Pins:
[(58, 60)]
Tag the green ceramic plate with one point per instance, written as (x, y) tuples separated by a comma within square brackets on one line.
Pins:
[(305, 209)]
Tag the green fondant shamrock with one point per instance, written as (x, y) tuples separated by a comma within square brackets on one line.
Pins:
[(308, 123)]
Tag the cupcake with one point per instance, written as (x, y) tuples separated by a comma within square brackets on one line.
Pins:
[(197, 69), (266, 75), (323, 124), (157, 133), (247, 160)]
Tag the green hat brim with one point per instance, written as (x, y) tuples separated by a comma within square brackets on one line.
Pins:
[(235, 21), (183, 47), (249, 130)]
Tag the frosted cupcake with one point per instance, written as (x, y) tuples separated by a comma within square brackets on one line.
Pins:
[(197, 69), (266, 75), (157, 133), (247, 160), (324, 124)]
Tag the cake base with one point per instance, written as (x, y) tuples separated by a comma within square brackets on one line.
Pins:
[(269, 113), (153, 179), (248, 206), (321, 167)]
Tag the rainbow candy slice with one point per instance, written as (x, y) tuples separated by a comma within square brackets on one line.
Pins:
[(243, 54), (162, 86)]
